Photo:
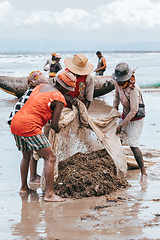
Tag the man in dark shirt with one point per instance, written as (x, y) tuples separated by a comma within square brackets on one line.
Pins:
[(55, 66), (101, 67)]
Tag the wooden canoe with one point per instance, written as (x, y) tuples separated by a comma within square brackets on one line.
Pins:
[(132, 164), (18, 85)]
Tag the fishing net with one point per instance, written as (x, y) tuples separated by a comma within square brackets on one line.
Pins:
[(83, 134)]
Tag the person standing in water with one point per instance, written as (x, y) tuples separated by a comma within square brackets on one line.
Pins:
[(45, 103), (49, 62), (130, 127), (55, 66), (101, 67)]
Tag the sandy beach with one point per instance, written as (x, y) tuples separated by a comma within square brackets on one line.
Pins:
[(132, 213)]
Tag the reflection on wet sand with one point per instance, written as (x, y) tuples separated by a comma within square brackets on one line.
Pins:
[(121, 215), (31, 213)]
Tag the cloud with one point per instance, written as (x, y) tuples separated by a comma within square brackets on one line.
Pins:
[(143, 14), (77, 18), (9, 17), (127, 15)]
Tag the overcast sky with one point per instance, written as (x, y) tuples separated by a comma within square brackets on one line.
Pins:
[(80, 25)]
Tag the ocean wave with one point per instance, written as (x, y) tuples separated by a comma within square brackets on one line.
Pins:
[(20, 64), (151, 85)]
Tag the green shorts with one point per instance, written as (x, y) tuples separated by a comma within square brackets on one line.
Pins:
[(34, 143)]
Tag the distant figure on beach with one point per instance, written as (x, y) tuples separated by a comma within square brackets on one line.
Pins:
[(130, 126), (34, 79), (44, 104), (55, 67), (81, 68), (49, 62), (101, 67)]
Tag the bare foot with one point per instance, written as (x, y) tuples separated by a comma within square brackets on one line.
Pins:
[(27, 190), (54, 198), (144, 182), (144, 178), (143, 174)]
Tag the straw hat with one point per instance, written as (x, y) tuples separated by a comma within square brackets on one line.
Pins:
[(79, 64), (122, 72), (54, 54), (66, 79)]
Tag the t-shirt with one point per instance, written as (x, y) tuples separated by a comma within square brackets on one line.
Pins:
[(55, 67), (35, 113)]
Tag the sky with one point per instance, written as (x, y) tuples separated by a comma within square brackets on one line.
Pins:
[(69, 25)]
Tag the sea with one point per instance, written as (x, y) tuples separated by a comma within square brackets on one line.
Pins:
[(20, 64)]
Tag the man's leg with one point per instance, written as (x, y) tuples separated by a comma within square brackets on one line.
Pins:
[(24, 171), (49, 157), (34, 177), (139, 158)]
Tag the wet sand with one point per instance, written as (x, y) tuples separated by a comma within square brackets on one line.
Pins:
[(133, 213)]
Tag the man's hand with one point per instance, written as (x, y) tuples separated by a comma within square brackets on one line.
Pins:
[(118, 130), (74, 101), (57, 130)]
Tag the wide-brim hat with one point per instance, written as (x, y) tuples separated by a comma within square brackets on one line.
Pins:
[(79, 64), (122, 72), (66, 79)]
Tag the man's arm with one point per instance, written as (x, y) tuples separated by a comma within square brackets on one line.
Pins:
[(103, 67), (87, 103), (104, 64), (89, 90), (46, 63), (56, 107)]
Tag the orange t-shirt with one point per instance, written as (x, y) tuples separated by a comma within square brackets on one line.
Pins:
[(35, 113)]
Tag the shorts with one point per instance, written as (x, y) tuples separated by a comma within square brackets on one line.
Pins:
[(34, 143), (100, 73), (131, 135)]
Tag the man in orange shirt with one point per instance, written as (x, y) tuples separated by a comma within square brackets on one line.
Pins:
[(45, 103), (34, 79)]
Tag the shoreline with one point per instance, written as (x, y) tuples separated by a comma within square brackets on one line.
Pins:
[(154, 89)]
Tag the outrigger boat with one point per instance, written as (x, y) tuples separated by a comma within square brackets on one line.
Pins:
[(18, 85)]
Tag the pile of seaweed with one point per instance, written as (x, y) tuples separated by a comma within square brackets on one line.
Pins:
[(86, 175)]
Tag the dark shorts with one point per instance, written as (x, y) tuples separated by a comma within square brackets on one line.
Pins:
[(100, 73), (34, 143)]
